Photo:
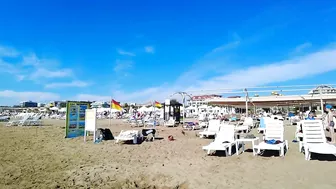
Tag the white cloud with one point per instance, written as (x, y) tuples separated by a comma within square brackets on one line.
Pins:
[(89, 97), (148, 94), (123, 65), (302, 47), (31, 67), (8, 52), (31, 60), (67, 84), (149, 49), (231, 45), (142, 94), (122, 52), (20, 77), (28, 95), (8, 68), (122, 96), (295, 68), (45, 73)]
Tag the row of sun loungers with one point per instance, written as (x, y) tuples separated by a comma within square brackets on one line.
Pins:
[(225, 137), (26, 120), (150, 122), (313, 135)]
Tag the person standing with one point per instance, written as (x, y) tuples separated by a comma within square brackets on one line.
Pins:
[(331, 123), (310, 116)]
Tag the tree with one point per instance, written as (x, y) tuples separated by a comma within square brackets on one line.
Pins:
[(126, 105)]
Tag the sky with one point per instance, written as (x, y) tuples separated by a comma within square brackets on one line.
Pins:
[(140, 51)]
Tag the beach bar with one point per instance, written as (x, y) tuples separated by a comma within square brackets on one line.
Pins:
[(174, 109)]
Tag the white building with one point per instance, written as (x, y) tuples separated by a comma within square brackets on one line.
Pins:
[(271, 101), (197, 101), (324, 90), (100, 105), (40, 104)]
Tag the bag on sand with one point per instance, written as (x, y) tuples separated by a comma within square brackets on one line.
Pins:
[(106, 134)]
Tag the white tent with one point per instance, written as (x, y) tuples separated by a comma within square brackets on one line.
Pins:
[(149, 109), (99, 110), (191, 108), (114, 110), (142, 109), (43, 109), (54, 109)]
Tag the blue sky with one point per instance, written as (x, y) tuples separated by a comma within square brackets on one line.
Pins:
[(136, 51)]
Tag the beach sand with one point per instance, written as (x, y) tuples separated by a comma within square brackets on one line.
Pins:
[(40, 157)]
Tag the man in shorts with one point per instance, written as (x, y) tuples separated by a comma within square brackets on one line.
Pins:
[(331, 124)]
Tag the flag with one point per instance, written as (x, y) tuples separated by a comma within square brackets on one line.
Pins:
[(115, 105), (157, 104)]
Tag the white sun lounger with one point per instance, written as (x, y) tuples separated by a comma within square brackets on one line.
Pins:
[(314, 139), (36, 121), (151, 123), (129, 135), (274, 131), (4, 118), (170, 122), (203, 124), (17, 122), (224, 141), (212, 129), (247, 124), (32, 121)]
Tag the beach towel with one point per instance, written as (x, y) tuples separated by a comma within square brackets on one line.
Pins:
[(273, 141), (262, 123)]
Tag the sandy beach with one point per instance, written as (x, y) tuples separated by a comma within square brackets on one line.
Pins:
[(40, 157)]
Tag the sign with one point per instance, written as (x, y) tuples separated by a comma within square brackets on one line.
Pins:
[(75, 118), (90, 119), (90, 123)]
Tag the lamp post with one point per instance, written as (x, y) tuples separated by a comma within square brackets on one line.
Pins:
[(183, 94), (246, 102), (321, 101)]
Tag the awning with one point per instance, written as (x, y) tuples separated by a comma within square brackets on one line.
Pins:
[(267, 101)]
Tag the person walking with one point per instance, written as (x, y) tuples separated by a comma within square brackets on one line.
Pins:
[(331, 123)]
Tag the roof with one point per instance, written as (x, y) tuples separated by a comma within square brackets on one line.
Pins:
[(274, 100), (204, 97), (325, 89), (173, 103)]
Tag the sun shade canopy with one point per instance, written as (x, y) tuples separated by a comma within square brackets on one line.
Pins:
[(266, 101)]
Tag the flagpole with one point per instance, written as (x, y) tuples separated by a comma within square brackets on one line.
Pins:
[(110, 112)]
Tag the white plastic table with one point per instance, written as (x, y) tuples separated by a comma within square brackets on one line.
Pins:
[(243, 140)]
